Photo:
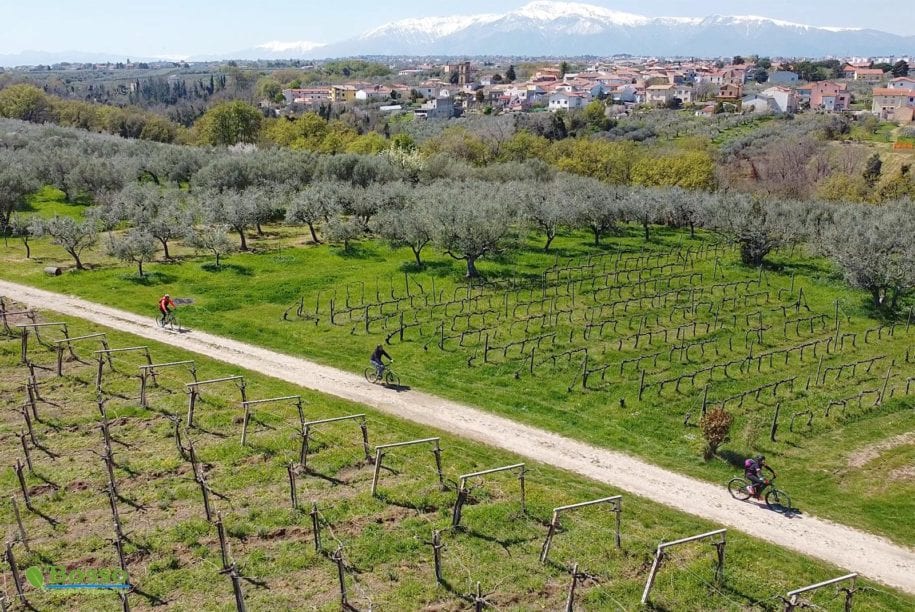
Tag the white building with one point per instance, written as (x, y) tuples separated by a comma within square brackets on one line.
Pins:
[(436, 108), (785, 98), (563, 100)]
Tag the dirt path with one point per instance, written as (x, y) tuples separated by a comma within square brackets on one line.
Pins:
[(851, 549)]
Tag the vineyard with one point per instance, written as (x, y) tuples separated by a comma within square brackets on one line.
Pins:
[(682, 329), (182, 472)]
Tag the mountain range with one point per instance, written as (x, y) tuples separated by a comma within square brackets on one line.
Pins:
[(563, 29)]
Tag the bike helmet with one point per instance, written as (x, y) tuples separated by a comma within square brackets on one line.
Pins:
[(760, 459)]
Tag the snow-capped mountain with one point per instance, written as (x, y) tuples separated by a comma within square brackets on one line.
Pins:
[(551, 28), (546, 27)]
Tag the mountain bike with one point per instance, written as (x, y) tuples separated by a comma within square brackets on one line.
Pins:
[(775, 499), (388, 377), (169, 322)]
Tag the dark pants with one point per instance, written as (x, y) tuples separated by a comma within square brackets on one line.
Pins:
[(379, 367), (757, 482)]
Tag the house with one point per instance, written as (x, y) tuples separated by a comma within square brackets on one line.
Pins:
[(426, 90), (563, 100), (868, 74), (684, 93), (706, 111), (342, 93), (758, 103), (625, 94), (306, 95), (436, 108), (782, 77), (888, 100), (659, 95), (730, 93), (849, 69), (902, 83), (829, 96), (377, 92), (785, 99)]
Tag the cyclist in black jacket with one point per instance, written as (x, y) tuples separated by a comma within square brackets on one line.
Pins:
[(376, 361)]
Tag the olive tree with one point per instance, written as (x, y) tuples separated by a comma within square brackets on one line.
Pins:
[(160, 211), (645, 206), (756, 226), (543, 206), (597, 207), (407, 225), (15, 185), (73, 236), (236, 210), (344, 228), (213, 238), (312, 205), (469, 220), (19, 226), (137, 246), (874, 248)]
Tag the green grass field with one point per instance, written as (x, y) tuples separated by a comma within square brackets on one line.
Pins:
[(821, 466), (173, 554)]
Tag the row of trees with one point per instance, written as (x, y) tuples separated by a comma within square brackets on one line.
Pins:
[(473, 219)]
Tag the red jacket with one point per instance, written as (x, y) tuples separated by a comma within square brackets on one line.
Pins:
[(165, 302)]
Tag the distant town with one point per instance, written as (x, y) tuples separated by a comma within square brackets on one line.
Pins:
[(883, 86)]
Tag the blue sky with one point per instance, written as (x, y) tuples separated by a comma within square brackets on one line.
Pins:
[(180, 27)]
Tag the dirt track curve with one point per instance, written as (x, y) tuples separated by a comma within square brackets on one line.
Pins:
[(854, 550)]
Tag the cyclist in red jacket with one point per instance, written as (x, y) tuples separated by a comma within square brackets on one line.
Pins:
[(164, 302)]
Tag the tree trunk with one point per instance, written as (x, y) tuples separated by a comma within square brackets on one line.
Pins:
[(28, 249), (140, 268), (692, 229), (244, 243), (216, 253), (549, 240), (596, 237), (314, 235), (165, 248), (472, 271), (645, 225), (416, 251), (260, 232), (79, 264)]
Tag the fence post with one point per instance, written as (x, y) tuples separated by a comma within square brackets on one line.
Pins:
[(778, 407), (545, 550), (719, 568), (22, 535), (14, 569), (570, 600), (337, 557), (23, 486), (316, 525), (25, 449), (659, 556), (437, 555), (363, 425), (191, 401), (437, 451), (292, 493)]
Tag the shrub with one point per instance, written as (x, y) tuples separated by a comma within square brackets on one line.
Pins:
[(716, 429)]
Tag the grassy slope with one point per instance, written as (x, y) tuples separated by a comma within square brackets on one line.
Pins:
[(173, 553), (247, 297)]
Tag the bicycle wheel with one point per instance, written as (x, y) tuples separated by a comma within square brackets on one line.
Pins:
[(778, 501), (737, 487), (371, 375), (391, 379)]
